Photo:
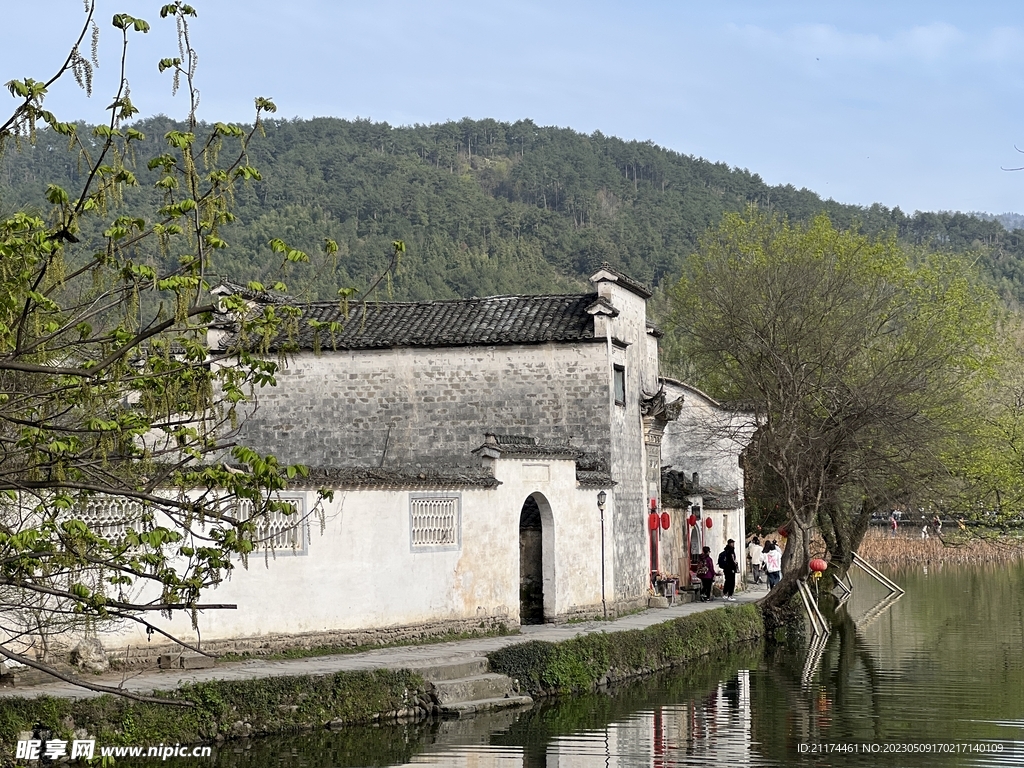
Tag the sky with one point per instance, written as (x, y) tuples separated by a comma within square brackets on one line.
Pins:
[(911, 103)]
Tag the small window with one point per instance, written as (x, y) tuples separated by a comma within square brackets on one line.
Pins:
[(435, 522), (283, 534), (110, 516), (620, 385)]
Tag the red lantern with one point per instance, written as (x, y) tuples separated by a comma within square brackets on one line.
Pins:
[(692, 520), (665, 520), (653, 521), (818, 565), (783, 532), (654, 504), (709, 522)]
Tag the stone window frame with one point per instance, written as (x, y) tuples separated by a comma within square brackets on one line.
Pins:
[(619, 383), (109, 515), (279, 520), (455, 544)]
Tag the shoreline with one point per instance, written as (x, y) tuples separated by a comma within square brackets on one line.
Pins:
[(258, 698)]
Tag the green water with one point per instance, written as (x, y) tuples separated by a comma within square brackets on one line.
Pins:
[(935, 679)]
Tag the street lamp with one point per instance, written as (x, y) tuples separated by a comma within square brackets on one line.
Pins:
[(602, 497)]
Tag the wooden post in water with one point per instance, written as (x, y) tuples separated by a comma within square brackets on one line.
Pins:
[(876, 574)]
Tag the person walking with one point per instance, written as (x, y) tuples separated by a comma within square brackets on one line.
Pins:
[(706, 573), (772, 563), (730, 566), (755, 554)]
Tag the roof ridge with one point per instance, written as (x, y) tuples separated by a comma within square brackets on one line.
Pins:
[(430, 302), (494, 320)]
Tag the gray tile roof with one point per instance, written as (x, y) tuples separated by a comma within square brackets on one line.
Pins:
[(523, 447), (589, 479), (641, 290), (366, 477), (467, 322)]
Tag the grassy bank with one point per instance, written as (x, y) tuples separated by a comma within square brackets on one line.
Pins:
[(223, 710), (955, 546), (235, 709), (591, 661)]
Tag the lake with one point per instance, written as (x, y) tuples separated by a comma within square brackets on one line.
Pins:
[(936, 678)]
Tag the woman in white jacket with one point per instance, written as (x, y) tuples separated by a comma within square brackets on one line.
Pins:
[(772, 563)]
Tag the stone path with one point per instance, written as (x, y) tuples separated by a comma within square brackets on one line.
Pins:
[(402, 657)]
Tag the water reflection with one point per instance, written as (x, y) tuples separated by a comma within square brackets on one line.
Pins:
[(941, 666)]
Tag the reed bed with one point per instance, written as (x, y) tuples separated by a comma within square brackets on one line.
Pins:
[(881, 548)]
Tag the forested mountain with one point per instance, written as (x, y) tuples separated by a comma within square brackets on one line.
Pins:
[(487, 207)]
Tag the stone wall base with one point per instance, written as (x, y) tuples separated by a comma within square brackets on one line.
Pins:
[(266, 645), (626, 606), (579, 613)]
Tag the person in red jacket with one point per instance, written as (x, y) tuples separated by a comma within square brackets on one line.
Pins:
[(706, 573)]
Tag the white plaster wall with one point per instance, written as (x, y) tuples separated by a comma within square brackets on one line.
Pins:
[(361, 573), (628, 452), (577, 531), (706, 438)]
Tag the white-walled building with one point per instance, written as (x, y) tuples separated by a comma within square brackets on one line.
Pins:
[(466, 443), (702, 477)]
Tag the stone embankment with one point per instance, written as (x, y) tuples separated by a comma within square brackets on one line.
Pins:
[(393, 684)]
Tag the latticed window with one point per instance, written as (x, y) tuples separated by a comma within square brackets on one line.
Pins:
[(284, 533), (434, 521), (109, 516)]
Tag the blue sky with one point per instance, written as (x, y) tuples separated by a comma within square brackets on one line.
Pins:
[(913, 104)]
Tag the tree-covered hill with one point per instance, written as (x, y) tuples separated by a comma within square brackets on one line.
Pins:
[(487, 207)]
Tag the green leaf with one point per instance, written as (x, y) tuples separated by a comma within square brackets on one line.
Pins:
[(56, 195)]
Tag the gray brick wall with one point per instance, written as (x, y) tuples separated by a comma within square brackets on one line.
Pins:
[(431, 406)]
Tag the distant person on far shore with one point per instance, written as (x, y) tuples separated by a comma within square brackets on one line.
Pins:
[(924, 531), (772, 563), (893, 525), (754, 552)]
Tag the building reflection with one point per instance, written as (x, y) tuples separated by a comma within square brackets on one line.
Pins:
[(714, 730)]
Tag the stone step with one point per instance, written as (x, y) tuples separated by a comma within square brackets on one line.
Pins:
[(467, 708), (470, 730), (485, 686), (452, 669), (186, 661)]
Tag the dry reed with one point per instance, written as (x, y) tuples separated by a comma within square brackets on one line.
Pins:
[(881, 548)]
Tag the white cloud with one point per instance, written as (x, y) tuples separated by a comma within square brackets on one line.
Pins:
[(1002, 43), (927, 43)]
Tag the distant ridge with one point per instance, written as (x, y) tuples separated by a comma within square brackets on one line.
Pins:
[(492, 208), (1010, 221)]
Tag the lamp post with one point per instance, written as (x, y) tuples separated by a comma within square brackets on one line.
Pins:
[(602, 497)]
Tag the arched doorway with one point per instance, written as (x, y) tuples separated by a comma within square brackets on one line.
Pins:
[(536, 560)]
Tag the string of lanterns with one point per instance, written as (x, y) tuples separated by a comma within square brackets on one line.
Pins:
[(692, 521)]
